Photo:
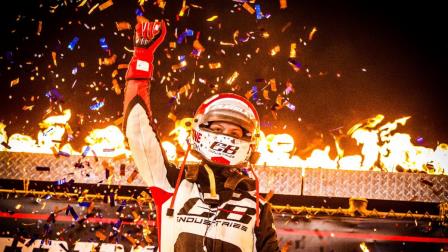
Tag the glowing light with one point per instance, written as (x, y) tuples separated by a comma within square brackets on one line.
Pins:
[(381, 147)]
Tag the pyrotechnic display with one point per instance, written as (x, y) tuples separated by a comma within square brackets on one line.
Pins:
[(232, 125)]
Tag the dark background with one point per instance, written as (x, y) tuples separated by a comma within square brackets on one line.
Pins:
[(399, 45)]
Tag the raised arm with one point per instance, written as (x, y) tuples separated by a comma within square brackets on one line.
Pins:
[(138, 124)]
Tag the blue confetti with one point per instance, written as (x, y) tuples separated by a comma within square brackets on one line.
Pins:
[(48, 131), (72, 212), (72, 44), (181, 38), (258, 11), (195, 52), (287, 91), (103, 43), (138, 12), (254, 93), (420, 140), (112, 199), (84, 204), (244, 40), (54, 95), (189, 32), (294, 63), (60, 182), (122, 205), (62, 153), (86, 151), (291, 106), (97, 105), (117, 224)]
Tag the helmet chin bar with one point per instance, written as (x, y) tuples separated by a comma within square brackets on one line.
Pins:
[(220, 150)]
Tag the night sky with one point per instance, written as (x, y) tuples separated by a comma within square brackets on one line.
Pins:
[(366, 58)]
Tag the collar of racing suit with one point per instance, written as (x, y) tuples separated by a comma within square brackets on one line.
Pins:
[(227, 179)]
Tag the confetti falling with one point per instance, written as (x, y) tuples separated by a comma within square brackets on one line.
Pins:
[(80, 58)]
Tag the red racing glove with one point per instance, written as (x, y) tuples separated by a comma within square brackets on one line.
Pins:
[(147, 37)]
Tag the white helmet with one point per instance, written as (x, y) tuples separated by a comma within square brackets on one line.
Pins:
[(220, 149)]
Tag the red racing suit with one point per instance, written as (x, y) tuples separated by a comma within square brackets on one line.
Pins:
[(198, 223)]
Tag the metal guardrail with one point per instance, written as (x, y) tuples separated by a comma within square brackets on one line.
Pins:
[(419, 187)]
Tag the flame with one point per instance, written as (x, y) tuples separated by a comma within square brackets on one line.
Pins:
[(107, 142), (3, 137), (381, 147)]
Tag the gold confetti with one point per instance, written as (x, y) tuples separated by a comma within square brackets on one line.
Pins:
[(283, 4), (248, 8), (275, 50), (235, 36), (53, 56), (107, 61), (198, 46), (68, 129), (122, 66), (364, 247), (292, 52), (311, 35), (184, 8), (248, 94), (135, 215), (226, 43), (114, 73), (184, 88), (28, 107), (232, 78), (39, 27), (266, 94), (210, 19), (116, 87), (180, 65), (82, 3), (123, 25), (214, 65), (91, 207), (161, 4), (15, 82), (93, 8), (100, 236), (172, 117), (132, 177), (273, 84), (105, 5)]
